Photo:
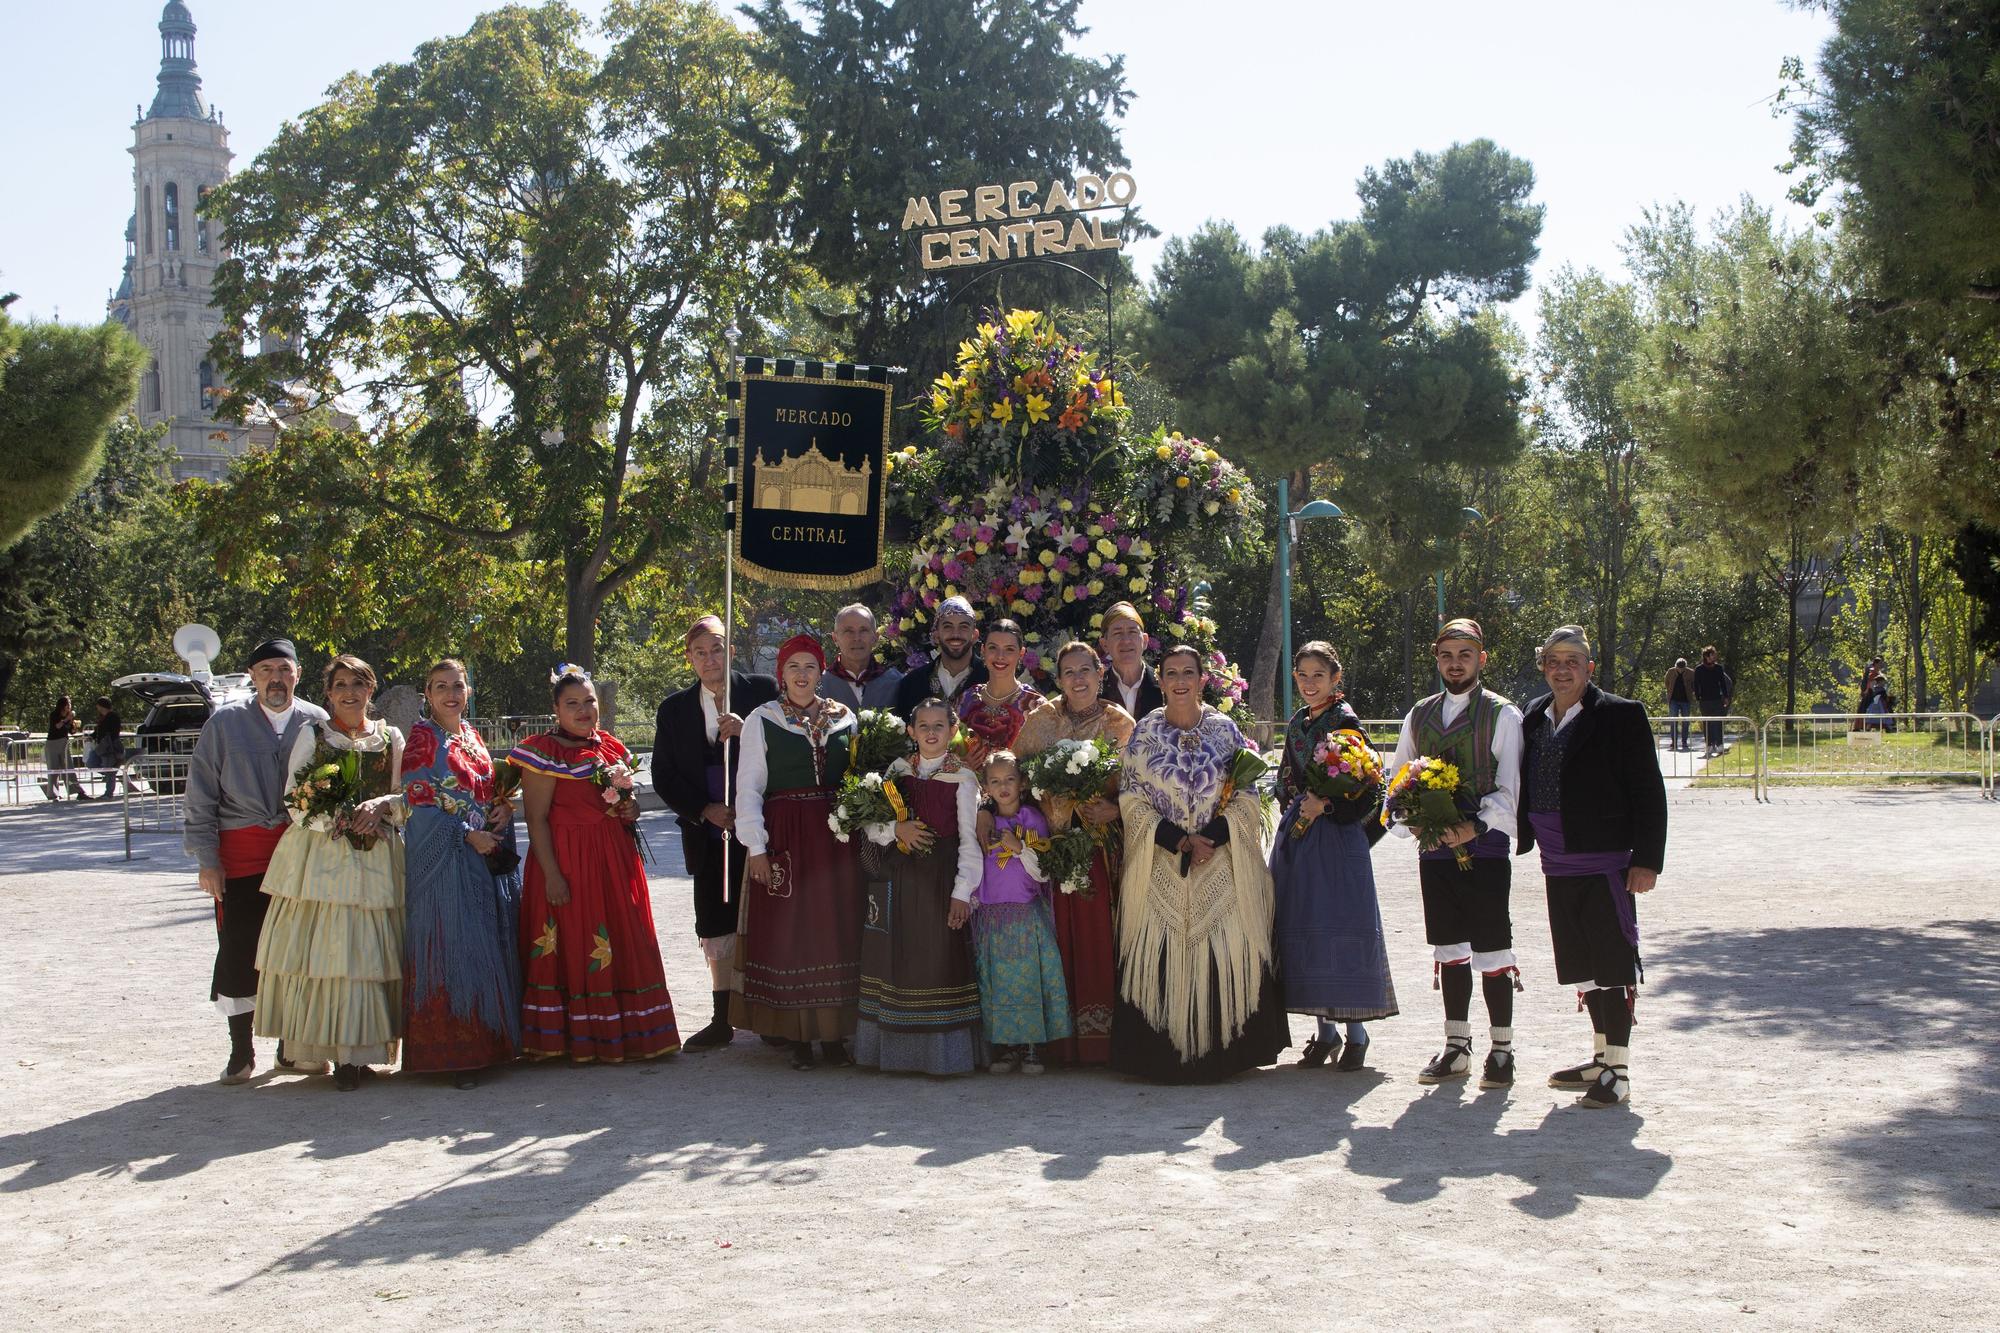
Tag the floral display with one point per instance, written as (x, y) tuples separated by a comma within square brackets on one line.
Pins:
[(1344, 767), (1424, 796), (880, 739), (1029, 503), (866, 798)]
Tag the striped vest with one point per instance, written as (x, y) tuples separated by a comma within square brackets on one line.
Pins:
[(1467, 742)]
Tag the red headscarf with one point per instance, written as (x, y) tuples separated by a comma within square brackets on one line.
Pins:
[(801, 643)]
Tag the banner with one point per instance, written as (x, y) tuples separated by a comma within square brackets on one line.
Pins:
[(807, 504)]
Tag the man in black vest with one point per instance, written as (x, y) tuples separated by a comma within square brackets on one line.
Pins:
[(1466, 921), (1593, 800), (1128, 681), (954, 669), (694, 744)]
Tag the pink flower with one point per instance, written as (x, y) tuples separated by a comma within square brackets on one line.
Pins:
[(960, 531), (1110, 522), (611, 796), (1081, 545), (1124, 543), (984, 534)]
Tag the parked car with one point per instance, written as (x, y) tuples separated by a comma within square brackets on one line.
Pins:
[(176, 708)]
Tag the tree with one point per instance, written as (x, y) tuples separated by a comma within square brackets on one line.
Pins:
[(899, 99), (60, 389), (1362, 350), (1756, 390), (514, 258)]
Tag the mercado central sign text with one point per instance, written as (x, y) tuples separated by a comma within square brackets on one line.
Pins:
[(1018, 221)]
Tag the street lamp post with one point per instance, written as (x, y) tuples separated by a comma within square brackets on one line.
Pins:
[(1469, 516), (1287, 533)]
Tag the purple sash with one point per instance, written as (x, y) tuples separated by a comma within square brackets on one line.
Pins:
[(1558, 860), (715, 794)]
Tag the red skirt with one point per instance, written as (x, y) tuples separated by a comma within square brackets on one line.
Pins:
[(593, 987), (1088, 939), (798, 940)]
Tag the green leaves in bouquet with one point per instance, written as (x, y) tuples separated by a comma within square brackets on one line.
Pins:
[(880, 739)]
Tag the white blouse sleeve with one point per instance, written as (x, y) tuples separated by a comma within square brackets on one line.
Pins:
[(1405, 751), (752, 775), (302, 753), (971, 856)]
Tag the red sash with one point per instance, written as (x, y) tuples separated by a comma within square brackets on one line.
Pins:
[(247, 851)]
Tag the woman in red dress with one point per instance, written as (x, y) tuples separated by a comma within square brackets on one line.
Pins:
[(594, 987), (992, 713), (1086, 930)]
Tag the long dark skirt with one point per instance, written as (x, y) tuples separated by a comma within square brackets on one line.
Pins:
[(919, 990), (799, 940), (1137, 1047), (1331, 955)]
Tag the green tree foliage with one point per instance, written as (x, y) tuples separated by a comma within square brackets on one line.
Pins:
[(513, 257), (1364, 350), (903, 98), (60, 388)]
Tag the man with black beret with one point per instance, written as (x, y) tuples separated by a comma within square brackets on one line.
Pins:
[(235, 814)]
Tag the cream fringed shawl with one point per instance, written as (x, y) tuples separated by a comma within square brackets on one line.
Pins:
[(1175, 931)]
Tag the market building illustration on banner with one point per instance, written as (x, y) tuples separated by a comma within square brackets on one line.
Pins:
[(810, 442)]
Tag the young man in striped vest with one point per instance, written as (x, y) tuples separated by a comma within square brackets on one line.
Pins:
[(1465, 910)]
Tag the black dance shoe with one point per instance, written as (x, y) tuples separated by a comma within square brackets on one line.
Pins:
[(1577, 1077), (467, 1080), (1316, 1052), (802, 1055), (1354, 1057), (1612, 1088), (1455, 1061), (1499, 1071), (835, 1054), (347, 1078), (716, 1035)]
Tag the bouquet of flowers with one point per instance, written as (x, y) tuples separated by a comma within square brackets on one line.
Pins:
[(327, 793), (1248, 769), (1424, 796), (1344, 768), (1066, 860), (880, 739), (1079, 770), (506, 787), (864, 799), (614, 782)]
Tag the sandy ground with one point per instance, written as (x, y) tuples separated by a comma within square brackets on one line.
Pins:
[(1812, 1141)]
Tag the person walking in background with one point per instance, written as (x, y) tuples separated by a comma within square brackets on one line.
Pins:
[(1680, 704), (1715, 691), (106, 748), (1876, 701), (694, 755), (63, 724), (461, 951), (234, 817)]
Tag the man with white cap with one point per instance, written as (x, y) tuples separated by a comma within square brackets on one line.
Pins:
[(234, 816), (1593, 800), (1466, 921)]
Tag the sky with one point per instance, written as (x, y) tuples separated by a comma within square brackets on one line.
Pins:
[(1259, 112)]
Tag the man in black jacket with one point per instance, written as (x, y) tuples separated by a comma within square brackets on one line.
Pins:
[(954, 669), (1128, 681), (1593, 800), (693, 746)]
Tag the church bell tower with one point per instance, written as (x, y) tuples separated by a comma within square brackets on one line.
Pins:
[(180, 151)]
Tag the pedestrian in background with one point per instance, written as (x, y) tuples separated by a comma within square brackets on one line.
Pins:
[(1715, 691), (1680, 704), (55, 752)]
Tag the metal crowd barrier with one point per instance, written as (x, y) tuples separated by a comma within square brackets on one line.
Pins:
[(1721, 747), (1880, 746), (155, 793)]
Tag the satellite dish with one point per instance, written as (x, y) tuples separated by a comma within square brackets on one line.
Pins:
[(199, 645)]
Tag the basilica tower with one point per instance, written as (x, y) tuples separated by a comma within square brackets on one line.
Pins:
[(180, 151)]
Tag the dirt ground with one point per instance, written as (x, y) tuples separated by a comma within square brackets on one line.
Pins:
[(1812, 1141)]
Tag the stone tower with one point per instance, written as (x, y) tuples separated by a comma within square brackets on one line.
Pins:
[(180, 151)]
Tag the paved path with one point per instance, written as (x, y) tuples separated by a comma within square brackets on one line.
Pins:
[(1813, 1141)]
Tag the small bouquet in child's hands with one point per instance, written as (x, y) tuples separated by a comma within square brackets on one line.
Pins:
[(1065, 862), (1344, 768), (1424, 796), (864, 799), (1079, 770), (880, 739)]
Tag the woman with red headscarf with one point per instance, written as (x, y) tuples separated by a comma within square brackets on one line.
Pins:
[(799, 935)]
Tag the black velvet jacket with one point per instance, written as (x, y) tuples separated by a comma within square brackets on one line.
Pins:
[(1149, 696), (681, 753), (1613, 797)]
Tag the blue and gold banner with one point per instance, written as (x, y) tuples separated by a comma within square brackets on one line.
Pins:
[(811, 440)]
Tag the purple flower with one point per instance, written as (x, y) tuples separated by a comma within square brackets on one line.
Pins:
[(1081, 546), (1124, 543), (960, 531), (984, 532)]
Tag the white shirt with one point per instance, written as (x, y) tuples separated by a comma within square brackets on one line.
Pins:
[(279, 721), (1556, 723), (948, 682), (1497, 807), (1129, 694), (753, 767), (711, 714), (971, 856)]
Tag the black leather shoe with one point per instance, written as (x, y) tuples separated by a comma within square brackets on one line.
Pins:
[(466, 1081), (775, 1041), (716, 1035), (1455, 1061), (1499, 1070), (1354, 1057), (347, 1077), (802, 1055), (1316, 1052), (835, 1054)]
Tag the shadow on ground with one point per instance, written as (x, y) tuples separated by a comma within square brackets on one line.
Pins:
[(1931, 991)]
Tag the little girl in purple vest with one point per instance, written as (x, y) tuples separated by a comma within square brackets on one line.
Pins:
[(1021, 993)]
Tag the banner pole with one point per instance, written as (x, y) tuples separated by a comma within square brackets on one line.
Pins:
[(732, 333)]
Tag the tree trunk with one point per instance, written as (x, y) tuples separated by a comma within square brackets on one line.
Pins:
[(1270, 646), (1919, 686), (581, 603), (7, 668)]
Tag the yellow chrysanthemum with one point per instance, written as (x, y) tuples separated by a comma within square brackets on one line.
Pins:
[(1163, 452), (1048, 559), (1181, 482)]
